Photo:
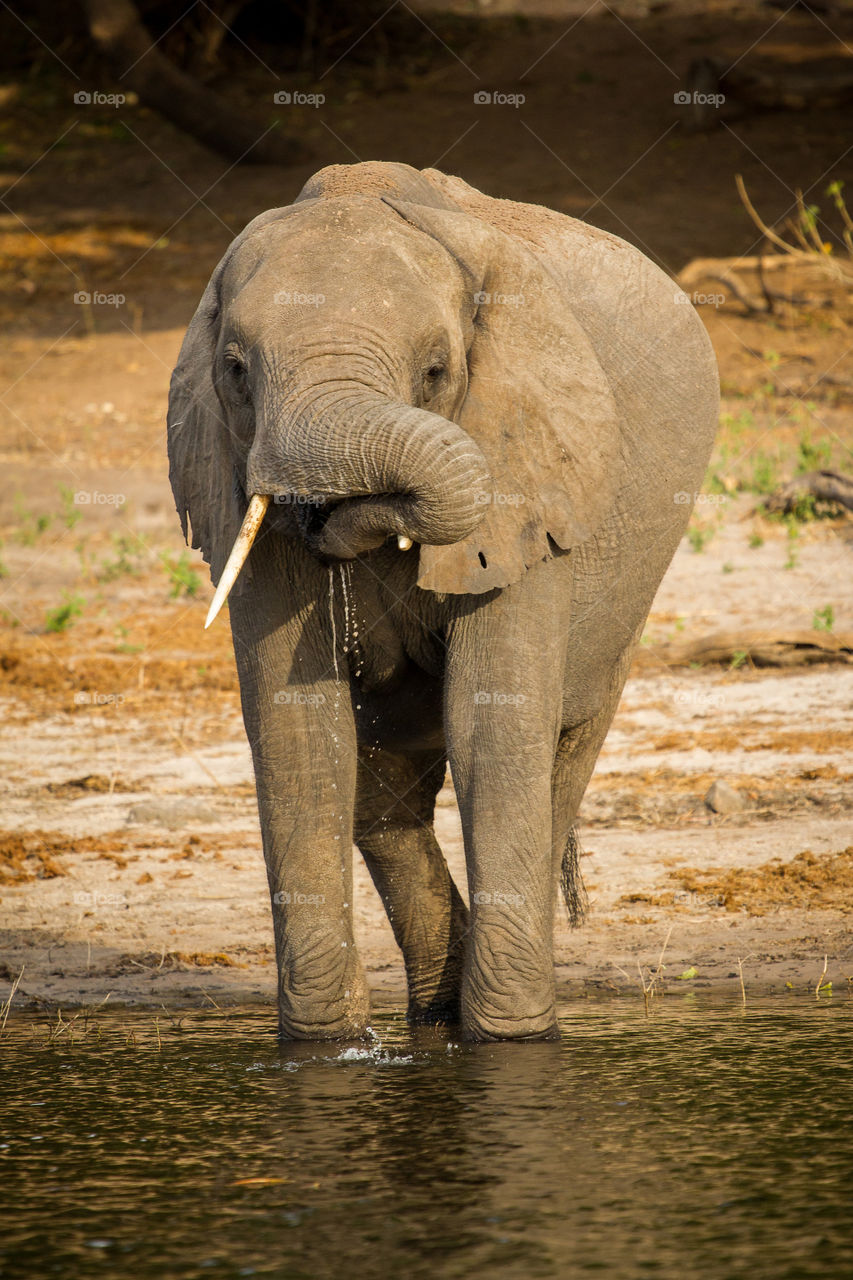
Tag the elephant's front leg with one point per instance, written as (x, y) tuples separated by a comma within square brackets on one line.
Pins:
[(299, 722), (503, 703)]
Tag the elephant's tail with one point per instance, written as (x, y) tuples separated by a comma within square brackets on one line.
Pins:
[(571, 880)]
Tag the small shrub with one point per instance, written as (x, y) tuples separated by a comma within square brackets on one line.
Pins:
[(129, 552), (65, 614), (699, 536), (184, 579), (71, 513), (763, 478)]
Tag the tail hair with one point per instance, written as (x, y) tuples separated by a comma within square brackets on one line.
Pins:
[(571, 880)]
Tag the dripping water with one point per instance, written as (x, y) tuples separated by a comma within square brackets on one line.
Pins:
[(337, 703)]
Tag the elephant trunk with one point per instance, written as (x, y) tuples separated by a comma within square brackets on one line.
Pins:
[(372, 467), (362, 467)]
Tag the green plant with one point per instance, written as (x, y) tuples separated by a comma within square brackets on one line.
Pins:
[(699, 536), (71, 513), (728, 567), (31, 527), (756, 540), (793, 537), (737, 425), (130, 550), (64, 615), (739, 657), (824, 619), (122, 644), (810, 456), (184, 579), (763, 478)]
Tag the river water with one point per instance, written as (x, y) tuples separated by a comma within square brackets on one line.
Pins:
[(703, 1140)]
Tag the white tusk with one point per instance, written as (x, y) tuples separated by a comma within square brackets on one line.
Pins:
[(242, 546), (403, 542)]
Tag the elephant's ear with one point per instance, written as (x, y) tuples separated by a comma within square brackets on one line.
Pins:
[(538, 404), (204, 482), (204, 479)]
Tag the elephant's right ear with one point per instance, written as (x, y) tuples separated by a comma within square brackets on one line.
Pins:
[(207, 489), (204, 482)]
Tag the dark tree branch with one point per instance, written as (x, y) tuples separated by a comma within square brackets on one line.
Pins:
[(118, 31)]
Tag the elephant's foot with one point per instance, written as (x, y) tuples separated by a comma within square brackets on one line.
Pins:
[(520, 1031), (315, 1008), (435, 988), (440, 1006), (320, 1029), (509, 1002)]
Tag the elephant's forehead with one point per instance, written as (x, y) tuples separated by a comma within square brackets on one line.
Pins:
[(344, 248)]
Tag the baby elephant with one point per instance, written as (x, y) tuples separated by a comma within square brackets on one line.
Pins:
[(449, 444)]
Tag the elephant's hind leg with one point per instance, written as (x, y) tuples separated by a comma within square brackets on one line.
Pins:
[(577, 751), (395, 804)]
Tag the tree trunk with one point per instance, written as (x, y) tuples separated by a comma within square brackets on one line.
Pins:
[(118, 31)]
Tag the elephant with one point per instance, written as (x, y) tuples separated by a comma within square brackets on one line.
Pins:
[(440, 448)]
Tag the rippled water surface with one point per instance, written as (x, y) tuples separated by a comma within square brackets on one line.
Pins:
[(704, 1140)]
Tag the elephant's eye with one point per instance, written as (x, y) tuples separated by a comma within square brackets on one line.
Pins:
[(237, 377), (433, 376)]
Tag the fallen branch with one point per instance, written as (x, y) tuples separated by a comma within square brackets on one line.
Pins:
[(823, 486), (728, 273), (756, 648)]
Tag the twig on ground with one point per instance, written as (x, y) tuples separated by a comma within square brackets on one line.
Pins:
[(740, 964), (7, 1004), (649, 980)]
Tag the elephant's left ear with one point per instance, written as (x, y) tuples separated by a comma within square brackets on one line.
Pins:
[(539, 405), (204, 482)]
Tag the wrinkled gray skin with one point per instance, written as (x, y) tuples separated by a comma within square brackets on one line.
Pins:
[(533, 404)]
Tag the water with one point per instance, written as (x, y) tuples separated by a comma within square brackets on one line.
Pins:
[(701, 1141)]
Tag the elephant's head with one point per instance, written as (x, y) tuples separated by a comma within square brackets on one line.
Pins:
[(390, 367)]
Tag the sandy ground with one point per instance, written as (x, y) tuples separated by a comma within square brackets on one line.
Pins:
[(130, 856)]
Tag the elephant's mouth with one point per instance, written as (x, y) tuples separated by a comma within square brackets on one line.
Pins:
[(311, 518), (343, 528)]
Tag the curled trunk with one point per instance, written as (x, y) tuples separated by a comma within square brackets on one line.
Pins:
[(370, 467)]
